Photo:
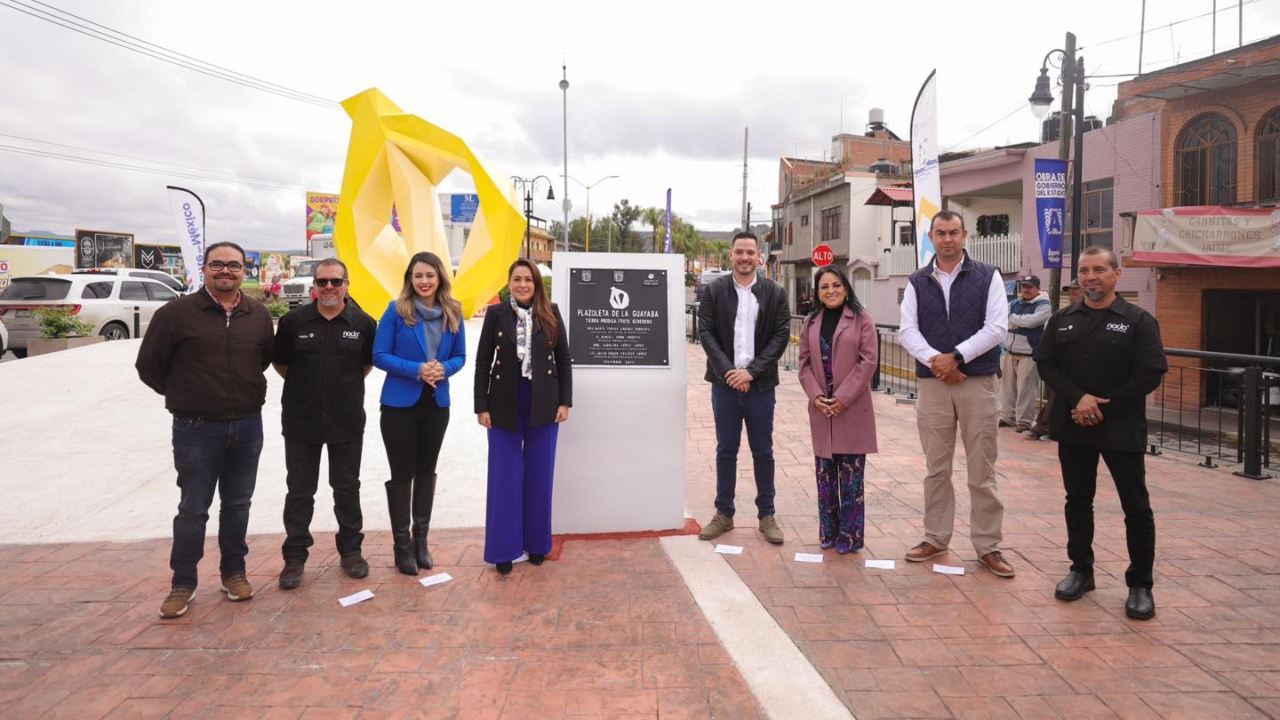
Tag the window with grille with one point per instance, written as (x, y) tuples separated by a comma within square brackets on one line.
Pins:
[(831, 224), (993, 224), (1099, 206), (804, 221), (1268, 158), (1205, 162)]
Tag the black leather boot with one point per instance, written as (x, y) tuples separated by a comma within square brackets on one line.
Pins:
[(1073, 586), (424, 495), (398, 508), (1140, 605)]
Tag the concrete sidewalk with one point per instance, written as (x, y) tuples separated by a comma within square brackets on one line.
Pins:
[(612, 628)]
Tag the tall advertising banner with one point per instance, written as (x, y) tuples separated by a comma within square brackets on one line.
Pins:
[(322, 210), (668, 247), (1051, 208), (188, 211), (926, 181)]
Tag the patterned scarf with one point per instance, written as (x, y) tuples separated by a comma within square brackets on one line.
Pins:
[(524, 339)]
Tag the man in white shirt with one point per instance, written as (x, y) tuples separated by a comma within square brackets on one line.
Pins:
[(744, 327), (954, 317)]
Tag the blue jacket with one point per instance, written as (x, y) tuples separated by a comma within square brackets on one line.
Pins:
[(400, 350)]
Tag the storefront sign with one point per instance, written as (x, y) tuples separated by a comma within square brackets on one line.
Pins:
[(1208, 235), (618, 317)]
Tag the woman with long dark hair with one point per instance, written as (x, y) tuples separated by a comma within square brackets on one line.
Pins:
[(838, 356), (420, 343), (524, 388)]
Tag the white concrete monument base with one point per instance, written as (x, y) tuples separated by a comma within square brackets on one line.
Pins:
[(620, 459)]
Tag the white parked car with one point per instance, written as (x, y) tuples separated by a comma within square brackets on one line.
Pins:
[(4, 340), (117, 307), (175, 284)]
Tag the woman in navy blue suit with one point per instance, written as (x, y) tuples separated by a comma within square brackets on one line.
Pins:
[(523, 390), (419, 344)]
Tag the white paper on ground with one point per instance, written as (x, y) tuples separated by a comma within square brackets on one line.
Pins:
[(729, 549), (881, 564), (436, 579), (359, 597), (948, 569), (809, 557)]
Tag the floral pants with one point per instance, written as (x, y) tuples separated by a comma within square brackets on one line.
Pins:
[(841, 512)]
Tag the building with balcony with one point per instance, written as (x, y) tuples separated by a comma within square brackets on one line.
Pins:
[(1212, 239)]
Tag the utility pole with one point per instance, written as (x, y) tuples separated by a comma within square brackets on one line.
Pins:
[(564, 90), (745, 219), (1065, 135)]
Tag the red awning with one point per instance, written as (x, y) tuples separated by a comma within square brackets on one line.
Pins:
[(891, 196)]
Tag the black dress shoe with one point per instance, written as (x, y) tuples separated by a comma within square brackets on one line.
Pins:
[(1140, 605), (1073, 586), (536, 559), (504, 568)]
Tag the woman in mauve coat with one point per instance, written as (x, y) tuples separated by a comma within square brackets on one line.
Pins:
[(838, 356)]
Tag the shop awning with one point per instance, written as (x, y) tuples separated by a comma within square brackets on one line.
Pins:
[(1208, 235), (891, 196)]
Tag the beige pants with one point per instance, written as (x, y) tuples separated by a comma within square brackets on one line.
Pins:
[(973, 405), (1019, 386)]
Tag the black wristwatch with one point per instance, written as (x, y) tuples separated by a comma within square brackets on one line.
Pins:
[(959, 358)]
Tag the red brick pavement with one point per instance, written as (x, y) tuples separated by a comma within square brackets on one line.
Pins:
[(608, 631), (910, 643)]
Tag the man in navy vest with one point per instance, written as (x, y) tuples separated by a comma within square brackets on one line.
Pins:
[(1019, 381), (954, 317)]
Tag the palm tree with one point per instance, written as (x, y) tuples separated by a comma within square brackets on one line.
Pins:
[(655, 218)]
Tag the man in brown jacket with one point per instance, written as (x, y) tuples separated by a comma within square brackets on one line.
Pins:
[(206, 353)]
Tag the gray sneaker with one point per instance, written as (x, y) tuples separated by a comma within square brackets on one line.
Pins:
[(719, 525), (772, 533)]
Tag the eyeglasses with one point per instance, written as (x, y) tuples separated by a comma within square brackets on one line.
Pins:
[(219, 266), (330, 282)]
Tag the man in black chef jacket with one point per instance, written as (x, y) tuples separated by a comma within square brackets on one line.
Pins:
[(1102, 357), (323, 351)]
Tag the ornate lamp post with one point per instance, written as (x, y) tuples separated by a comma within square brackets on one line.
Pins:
[(527, 186)]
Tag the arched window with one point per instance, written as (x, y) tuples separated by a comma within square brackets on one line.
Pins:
[(1205, 162), (1268, 157)]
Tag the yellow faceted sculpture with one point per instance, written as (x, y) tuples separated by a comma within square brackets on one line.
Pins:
[(395, 157)]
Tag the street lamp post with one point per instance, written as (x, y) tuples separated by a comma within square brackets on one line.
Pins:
[(564, 90), (587, 187), (527, 186), (1071, 118)]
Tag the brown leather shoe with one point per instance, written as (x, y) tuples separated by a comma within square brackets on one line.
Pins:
[(996, 563), (719, 525), (772, 533), (924, 551), (176, 604)]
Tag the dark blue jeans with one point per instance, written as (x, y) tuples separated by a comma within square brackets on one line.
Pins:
[(731, 409), (209, 455)]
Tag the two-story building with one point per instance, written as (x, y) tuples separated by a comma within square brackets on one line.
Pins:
[(825, 203), (1211, 239)]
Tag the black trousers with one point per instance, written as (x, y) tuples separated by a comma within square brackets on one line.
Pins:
[(302, 467), (413, 437), (1080, 477)]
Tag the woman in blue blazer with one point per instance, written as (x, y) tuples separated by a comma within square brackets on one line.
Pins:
[(419, 344)]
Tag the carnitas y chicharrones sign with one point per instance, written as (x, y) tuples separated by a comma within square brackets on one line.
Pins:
[(618, 318)]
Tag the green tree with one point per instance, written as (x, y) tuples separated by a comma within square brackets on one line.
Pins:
[(624, 216)]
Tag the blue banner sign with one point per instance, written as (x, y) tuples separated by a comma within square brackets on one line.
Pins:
[(1051, 194), (463, 207)]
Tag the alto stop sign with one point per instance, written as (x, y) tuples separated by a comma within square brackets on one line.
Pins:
[(822, 255)]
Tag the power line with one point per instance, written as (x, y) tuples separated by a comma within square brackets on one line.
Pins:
[(177, 53), (138, 158), (121, 40), (1170, 25), (997, 122), (276, 186)]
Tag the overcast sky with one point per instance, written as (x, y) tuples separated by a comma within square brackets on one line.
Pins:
[(659, 94)]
